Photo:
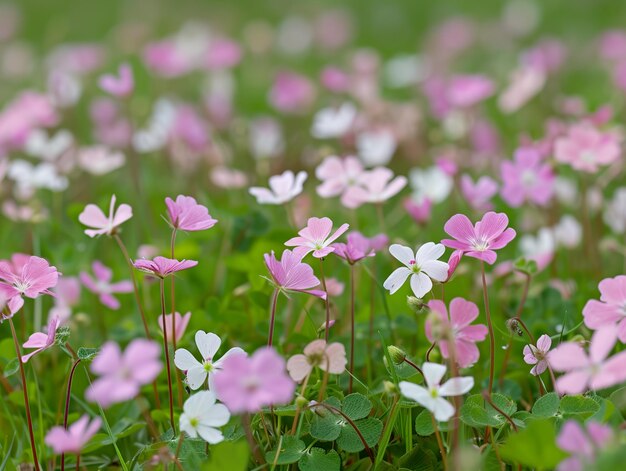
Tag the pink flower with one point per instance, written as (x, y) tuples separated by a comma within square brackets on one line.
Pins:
[(120, 86), (123, 374), (228, 178), (223, 53), (316, 238), (162, 267), (291, 274), (282, 188), (181, 325), (66, 296), (92, 216), (338, 175), (335, 79), (41, 341), (592, 371), (609, 310), (102, 286), (582, 443), (359, 247), (538, 355), (291, 92), (27, 112), (465, 91), (247, 384), (187, 215), (481, 240), (318, 354), (420, 211), (75, 437), (585, 148), (464, 335), (453, 263), (166, 59), (479, 194), (527, 179), (376, 186), (26, 275)]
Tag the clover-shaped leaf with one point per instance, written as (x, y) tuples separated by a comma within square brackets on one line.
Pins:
[(476, 412), (319, 460), (289, 449)]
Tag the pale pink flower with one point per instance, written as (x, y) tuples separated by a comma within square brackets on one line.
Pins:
[(334, 287), (229, 178), (465, 91), (222, 53), (41, 341), (463, 335), (537, 355), (610, 309), (613, 45), (92, 216), (291, 93), (318, 354), (187, 215), (121, 85), (589, 371), (75, 437), (27, 112), (282, 188), (162, 267), (247, 384), (100, 160), (376, 186), (526, 82), (420, 266), (291, 274), (79, 58), (316, 238), (102, 285), (335, 79), (359, 247), (166, 58), (181, 325), (66, 296), (527, 178), (478, 195), (583, 443), (338, 175), (26, 275), (420, 210), (122, 374), (586, 148), (481, 240)]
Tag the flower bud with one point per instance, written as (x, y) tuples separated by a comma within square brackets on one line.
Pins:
[(301, 402), (390, 388), (513, 327), (397, 355), (415, 304)]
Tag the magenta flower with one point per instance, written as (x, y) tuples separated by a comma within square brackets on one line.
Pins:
[(181, 325), (609, 310), (582, 443), (481, 240), (26, 275), (527, 178), (121, 85), (123, 374), (41, 341), (537, 355), (93, 217), (316, 238), (464, 335), (593, 370), (585, 148), (291, 92), (162, 267), (478, 195), (318, 354), (102, 285), (187, 215), (420, 211), (377, 186), (247, 384), (75, 437), (291, 274), (359, 247), (468, 90)]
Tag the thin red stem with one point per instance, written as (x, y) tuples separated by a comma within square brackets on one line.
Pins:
[(270, 337), (67, 404), (351, 329), (167, 355), (492, 339)]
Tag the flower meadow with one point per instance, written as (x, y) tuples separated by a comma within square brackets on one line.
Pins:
[(288, 237)]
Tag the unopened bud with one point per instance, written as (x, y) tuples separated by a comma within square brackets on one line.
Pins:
[(415, 304), (579, 339), (390, 388), (301, 402), (397, 355)]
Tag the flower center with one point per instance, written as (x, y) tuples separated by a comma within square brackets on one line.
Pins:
[(434, 393), (415, 268), (588, 156), (208, 366), (22, 286), (250, 384), (480, 245), (528, 178), (194, 422)]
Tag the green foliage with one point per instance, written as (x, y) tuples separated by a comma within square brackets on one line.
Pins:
[(317, 459), (476, 412), (535, 446), (232, 456), (86, 354), (547, 405), (289, 450)]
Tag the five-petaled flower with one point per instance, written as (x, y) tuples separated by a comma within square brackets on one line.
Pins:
[(75, 437), (202, 416), (318, 354), (162, 267), (610, 309), (187, 215), (25, 275), (291, 274), (316, 238), (102, 285), (537, 355), (93, 217)]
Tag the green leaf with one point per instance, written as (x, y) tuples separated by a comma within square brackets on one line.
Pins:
[(424, 424), (356, 406), (318, 460), (418, 459), (535, 446), (578, 405), (11, 368), (476, 412), (86, 354), (547, 405), (326, 428), (289, 450), (349, 440), (618, 398), (232, 456)]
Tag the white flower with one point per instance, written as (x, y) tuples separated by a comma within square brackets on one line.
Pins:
[(266, 138), (565, 191), (208, 344), (283, 188), (421, 267), (47, 148), (568, 232), (541, 244), (156, 134), (29, 177), (201, 416), (431, 183), (404, 70), (99, 160), (376, 147), (333, 122), (432, 398), (615, 212)]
